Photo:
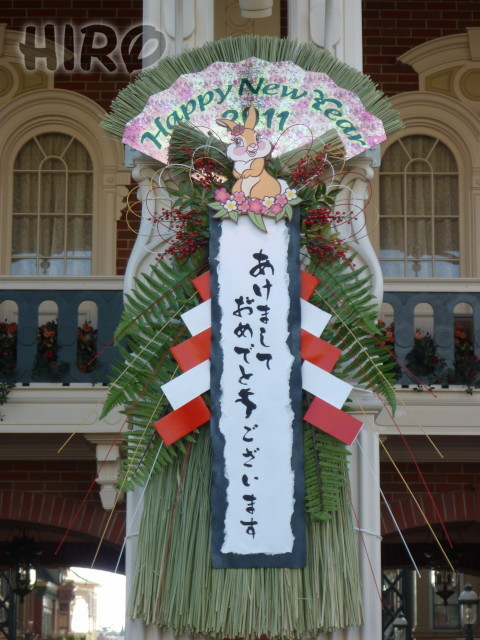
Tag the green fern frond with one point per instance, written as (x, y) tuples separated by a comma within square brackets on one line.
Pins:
[(149, 326), (347, 295)]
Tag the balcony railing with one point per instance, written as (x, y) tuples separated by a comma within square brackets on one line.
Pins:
[(447, 300), (99, 301), (450, 301)]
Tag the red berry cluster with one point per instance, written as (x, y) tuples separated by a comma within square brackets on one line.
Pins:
[(321, 217), (318, 241), (187, 225), (327, 249), (308, 168), (207, 173)]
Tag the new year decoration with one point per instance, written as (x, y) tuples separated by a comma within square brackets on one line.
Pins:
[(242, 423), (285, 95)]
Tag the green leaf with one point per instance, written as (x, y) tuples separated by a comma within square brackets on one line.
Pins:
[(257, 220)]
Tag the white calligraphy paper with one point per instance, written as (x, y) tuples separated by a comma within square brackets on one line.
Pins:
[(256, 416)]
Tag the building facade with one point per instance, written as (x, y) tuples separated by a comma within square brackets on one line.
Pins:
[(69, 249)]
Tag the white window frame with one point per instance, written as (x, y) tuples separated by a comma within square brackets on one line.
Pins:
[(402, 215), (62, 111), (442, 117)]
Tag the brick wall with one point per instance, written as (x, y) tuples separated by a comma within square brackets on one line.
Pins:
[(51, 494), (64, 478), (455, 489), (441, 478), (100, 85), (392, 28)]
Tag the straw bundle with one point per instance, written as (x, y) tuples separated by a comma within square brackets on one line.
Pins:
[(175, 586)]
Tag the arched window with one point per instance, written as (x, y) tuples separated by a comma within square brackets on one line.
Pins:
[(62, 183), (419, 209), (52, 209)]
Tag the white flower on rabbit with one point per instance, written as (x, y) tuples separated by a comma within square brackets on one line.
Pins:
[(230, 205), (268, 201)]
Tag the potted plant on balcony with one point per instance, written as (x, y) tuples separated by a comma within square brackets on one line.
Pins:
[(86, 348), (424, 361), (8, 358), (47, 366), (466, 365)]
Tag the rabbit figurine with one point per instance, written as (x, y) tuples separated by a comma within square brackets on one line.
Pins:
[(248, 151)]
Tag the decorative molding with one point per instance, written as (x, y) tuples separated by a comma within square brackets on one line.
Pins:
[(357, 177), (453, 285), (54, 408), (334, 25), (108, 466), (15, 80), (148, 242), (432, 54), (51, 283), (45, 446), (442, 81), (421, 413), (449, 65), (428, 113), (193, 17)]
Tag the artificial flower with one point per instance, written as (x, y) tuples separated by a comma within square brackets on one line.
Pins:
[(222, 195), (268, 201), (230, 205)]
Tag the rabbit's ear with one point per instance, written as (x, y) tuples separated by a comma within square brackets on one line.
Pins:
[(229, 124), (252, 118)]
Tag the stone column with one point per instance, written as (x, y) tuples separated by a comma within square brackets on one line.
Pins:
[(334, 25), (352, 201), (185, 23), (147, 245)]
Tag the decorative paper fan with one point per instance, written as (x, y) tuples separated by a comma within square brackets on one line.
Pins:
[(343, 79), (295, 106)]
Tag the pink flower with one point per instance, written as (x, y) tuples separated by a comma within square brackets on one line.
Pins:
[(244, 207), (281, 199), (276, 208), (239, 197), (222, 195), (256, 206)]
